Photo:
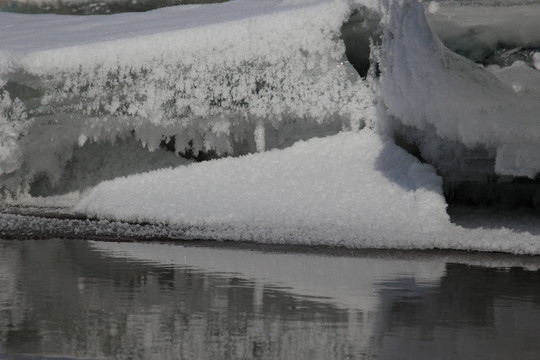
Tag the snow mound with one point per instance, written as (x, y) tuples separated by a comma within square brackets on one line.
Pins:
[(352, 188)]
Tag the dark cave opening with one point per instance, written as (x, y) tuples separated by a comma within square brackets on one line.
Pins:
[(358, 34)]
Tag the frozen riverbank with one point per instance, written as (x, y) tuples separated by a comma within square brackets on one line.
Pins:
[(98, 98)]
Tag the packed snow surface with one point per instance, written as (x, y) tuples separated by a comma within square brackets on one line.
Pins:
[(272, 77)]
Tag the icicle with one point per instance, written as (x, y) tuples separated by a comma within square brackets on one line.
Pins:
[(259, 136)]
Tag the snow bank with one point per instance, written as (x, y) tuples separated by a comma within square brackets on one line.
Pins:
[(232, 78), (246, 76), (353, 189)]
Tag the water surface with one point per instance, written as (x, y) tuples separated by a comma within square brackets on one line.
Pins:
[(85, 299)]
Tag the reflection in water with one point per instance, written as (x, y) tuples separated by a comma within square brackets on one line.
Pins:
[(483, 313), (61, 297), (80, 299)]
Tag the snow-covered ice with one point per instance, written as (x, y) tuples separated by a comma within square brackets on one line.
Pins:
[(210, 77), (86, 99), (429, 87)]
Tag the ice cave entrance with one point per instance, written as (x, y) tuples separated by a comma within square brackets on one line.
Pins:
[(358, 34)]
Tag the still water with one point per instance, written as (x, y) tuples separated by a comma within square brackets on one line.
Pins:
[(84, 299)]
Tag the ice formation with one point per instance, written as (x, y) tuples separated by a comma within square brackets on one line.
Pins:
[(428, 87), (248, 76), (208, 77)]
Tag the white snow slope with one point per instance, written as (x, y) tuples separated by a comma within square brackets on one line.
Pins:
[(248, 76), (351, 189), (337, 190)]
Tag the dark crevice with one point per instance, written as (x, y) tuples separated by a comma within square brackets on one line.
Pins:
[(410, 147), (169, 144), (510, 193), (40, 185), (358, 33), (506, 55)]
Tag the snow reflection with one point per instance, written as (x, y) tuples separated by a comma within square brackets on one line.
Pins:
[(130, 300)]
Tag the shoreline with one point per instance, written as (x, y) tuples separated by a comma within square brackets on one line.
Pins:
[(22, 223)]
